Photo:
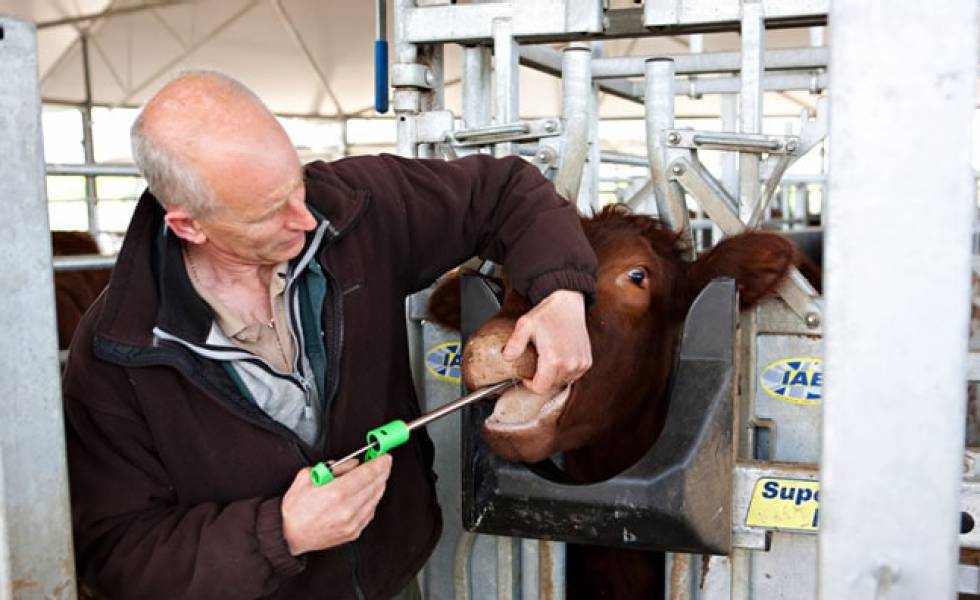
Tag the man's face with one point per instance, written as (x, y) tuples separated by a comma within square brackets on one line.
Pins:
[(260, 215)]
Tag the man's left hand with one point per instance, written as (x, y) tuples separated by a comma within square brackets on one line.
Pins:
[(557, 328)]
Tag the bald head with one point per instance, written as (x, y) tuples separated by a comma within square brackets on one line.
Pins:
[(200, 132)]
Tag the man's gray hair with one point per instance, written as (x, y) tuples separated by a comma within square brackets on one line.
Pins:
[(169, 176)]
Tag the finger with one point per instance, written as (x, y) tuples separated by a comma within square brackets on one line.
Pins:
[(362, 474), (518, 340), (544, 378), (341, 468)]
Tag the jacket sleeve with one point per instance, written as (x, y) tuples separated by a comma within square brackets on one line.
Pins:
[(133, 536), (499, 209)]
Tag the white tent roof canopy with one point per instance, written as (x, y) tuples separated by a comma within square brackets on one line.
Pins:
[(138, 44)]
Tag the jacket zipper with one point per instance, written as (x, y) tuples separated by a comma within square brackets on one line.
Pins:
[(335, 326)]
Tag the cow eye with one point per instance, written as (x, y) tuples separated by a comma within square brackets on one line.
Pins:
[(637, 276)]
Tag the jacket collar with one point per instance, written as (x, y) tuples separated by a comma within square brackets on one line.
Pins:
[(150, 285)]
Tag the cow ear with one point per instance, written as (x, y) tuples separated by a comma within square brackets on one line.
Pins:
[(758, 261), (445, 302)]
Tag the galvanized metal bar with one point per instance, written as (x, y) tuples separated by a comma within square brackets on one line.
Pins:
[(796, 291), (88, 141), (551, 570), (715, 15), (93, 169), (588, 198), (659, 117), (35, 544), (83, 262), (530, 568), (874, 504), (476, 86), (505, 568), (750, 103), (506, 95), (533, 20), (576, 87), (712, 62)]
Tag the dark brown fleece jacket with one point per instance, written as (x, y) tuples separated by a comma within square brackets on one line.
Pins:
[(177, 479)]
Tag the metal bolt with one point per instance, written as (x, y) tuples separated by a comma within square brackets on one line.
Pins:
[(812, 320), (545, 156), (550, 126), (673, 137), (677, 169), (791, 146), (429, 78)]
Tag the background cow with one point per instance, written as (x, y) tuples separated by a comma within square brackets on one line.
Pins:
[(608, 419), (75, 290)]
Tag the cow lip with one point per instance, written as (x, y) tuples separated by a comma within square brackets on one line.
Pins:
[(519, 408)]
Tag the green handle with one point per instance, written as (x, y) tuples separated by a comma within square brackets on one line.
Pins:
[(321, 474), (386, 437), (381, 440)]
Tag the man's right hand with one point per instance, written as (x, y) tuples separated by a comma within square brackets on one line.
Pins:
[(314, 518)]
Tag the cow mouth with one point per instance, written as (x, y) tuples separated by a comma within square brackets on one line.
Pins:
[(520, 409)]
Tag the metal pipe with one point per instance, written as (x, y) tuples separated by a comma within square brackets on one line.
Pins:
[(530, 568), (93, 170), (83, 262), (576, 86), (35, 513), (505, 79), (88, 141), (750, 100), (461, 564), (712, 62), (659, 118), (505, 568), (476, 86)]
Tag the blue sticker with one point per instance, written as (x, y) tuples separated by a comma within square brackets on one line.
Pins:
[(794, 380), (443, 361)]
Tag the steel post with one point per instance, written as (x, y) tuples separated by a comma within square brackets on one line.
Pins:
[(505, 56), (88, 141), (659, 118), (893, 422), (750, 98), (35, 525), (576, 88), (476, 86)]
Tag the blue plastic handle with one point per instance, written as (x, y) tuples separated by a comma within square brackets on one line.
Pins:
[(381, 76)]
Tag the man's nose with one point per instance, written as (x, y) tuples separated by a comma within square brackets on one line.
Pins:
[(300, 217)]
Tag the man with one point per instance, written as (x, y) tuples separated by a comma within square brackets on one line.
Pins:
[(254, 325)]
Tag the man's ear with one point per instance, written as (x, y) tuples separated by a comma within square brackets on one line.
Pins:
[(184, 226), (758, 261)]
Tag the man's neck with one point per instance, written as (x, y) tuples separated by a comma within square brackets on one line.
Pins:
[(244, 288)]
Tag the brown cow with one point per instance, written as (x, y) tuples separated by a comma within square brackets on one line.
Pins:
[(608, 419), (75, 290)]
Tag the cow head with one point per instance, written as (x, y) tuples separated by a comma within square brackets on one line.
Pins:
[(645, 287)]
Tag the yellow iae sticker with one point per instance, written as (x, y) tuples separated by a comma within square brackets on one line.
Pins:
[(443, 361), (794, 380), (785, 504)]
